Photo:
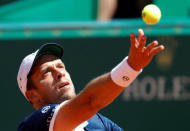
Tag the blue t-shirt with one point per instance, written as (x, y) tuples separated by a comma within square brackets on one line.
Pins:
[(40, 121)]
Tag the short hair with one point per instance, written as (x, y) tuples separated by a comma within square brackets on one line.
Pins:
[(30, 85)]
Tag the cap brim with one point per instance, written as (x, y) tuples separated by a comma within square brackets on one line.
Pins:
[(49, 48)]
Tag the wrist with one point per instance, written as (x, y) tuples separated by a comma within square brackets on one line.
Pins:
[(132, 65), (123, 74)]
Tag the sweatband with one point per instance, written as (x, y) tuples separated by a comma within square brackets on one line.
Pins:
[(123, 74)]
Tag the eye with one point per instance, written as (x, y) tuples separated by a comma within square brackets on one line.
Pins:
[(60, 66), (46, 71)]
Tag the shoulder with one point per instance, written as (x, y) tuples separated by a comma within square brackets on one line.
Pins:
[(39, 119)]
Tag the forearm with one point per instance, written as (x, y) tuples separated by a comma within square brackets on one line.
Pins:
[(104, 89), (101, 91)]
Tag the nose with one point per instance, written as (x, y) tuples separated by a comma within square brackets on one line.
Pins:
[(59, 74)]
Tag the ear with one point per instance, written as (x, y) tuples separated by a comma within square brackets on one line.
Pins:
[(32, 96)]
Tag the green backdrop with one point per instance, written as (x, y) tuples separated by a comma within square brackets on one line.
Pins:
[(157, 100)]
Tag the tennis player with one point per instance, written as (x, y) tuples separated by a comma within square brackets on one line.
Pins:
[(46, 84)]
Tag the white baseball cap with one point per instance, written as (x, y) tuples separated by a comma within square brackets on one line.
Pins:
[(28, 62)]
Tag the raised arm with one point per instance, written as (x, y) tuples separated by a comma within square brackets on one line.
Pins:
[(101, 91)]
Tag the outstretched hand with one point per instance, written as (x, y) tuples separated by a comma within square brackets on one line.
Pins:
[(140, 55)]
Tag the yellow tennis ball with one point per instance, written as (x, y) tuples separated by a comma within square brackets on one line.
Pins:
[(151, 14)]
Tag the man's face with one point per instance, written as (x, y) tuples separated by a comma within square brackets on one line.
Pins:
[(52, 81)]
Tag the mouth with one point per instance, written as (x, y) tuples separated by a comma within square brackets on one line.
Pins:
[(64, 85)]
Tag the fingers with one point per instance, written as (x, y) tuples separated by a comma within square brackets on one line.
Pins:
[(142, 43), (155, 50), (141, 40), (139, 44), (150, 47), (133, 40), (140, 34), (135, 43)]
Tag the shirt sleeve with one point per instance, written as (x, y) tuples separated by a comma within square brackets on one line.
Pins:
[(54, 116), (38, 120)]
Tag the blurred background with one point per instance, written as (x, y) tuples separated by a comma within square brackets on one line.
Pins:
[(95, 37)]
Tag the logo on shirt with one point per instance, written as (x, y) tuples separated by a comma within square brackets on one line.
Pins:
[(45, 109)]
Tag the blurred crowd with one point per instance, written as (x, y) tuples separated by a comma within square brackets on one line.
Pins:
[(120, 9)]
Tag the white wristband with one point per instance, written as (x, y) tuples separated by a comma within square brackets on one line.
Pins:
[(123, 74)]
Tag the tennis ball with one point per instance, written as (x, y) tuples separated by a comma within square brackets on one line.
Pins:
[(151, 14)]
